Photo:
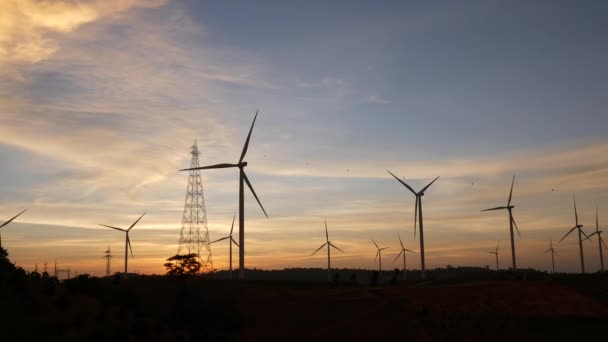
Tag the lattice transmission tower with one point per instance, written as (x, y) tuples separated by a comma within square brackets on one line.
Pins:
[(194, 235)]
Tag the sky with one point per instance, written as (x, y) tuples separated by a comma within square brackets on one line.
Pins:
[(100, 101)]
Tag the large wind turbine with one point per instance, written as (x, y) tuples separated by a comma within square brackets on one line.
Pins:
[(328, 244), (7, 222), (402, 251), (580, 236), (496, 254), (418, 218), (127, 239), (512, 223), (242, 179), (379, 255), (553, 253), (598, 232), (229, 243)]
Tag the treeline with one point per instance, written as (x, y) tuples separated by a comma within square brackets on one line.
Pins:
[(356, 277), (38, 307)]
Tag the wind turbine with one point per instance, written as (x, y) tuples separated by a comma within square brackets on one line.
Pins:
[(7, 222), (127, 239), (580, 236), (230, 244), (242, 179), (328, 244), (598, 232), (418, 215), (553, 253), (379, 256), (402, 251), (512, 223), (496, 254)]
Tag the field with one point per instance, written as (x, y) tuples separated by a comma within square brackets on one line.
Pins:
[(159, 308)]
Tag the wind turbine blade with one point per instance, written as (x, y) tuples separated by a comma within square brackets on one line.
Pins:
[(331, 244), (384, 248), (375, 244), (216, 166), (496, 208), (547, 251), (323, 245), (515, 224), (587, 236), (134, 223), (122, 230), (416, 215), (377, 253), (511, 193), (326, 233), (497, 245), (248, 137), (11, 220), (407, 250), (232, 227), (253, 192), (426, 187), (234, 241), (398, 255), (400, 241), (402, 182), (575, 211), (129, 243), (590, 235), (568, 233), (222, 239), (603, 242)]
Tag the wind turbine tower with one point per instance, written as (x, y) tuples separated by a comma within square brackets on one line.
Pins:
[(553, 252), (496, 254), (601, 241), (379, 255), (418, 218), (243, 179), (402, 251), (230, 242), (578, 227), (194, 235), (509, 207), (328, 244)]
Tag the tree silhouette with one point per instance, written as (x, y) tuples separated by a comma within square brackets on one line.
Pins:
[(182, 265)]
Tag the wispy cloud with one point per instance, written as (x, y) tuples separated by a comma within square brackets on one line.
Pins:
[(377, 100)]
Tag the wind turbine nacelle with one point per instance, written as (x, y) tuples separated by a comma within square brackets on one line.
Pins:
[(242, 164)]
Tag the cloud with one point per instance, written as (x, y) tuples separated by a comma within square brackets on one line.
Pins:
[(27, 27), (377, 100)]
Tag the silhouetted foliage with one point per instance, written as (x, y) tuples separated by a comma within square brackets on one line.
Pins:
[(182, 265)]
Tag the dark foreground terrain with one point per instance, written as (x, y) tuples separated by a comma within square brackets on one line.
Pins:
[(157, 308)]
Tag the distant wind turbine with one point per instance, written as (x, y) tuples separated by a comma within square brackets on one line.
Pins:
[(553, 253), (580, 236), (598, 232), (328, 244), (127, 239), (512, 223), (402, 251), (232, 241), (418, 215), (242, 179), (496, 254), (7, 222), (379, 255)]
